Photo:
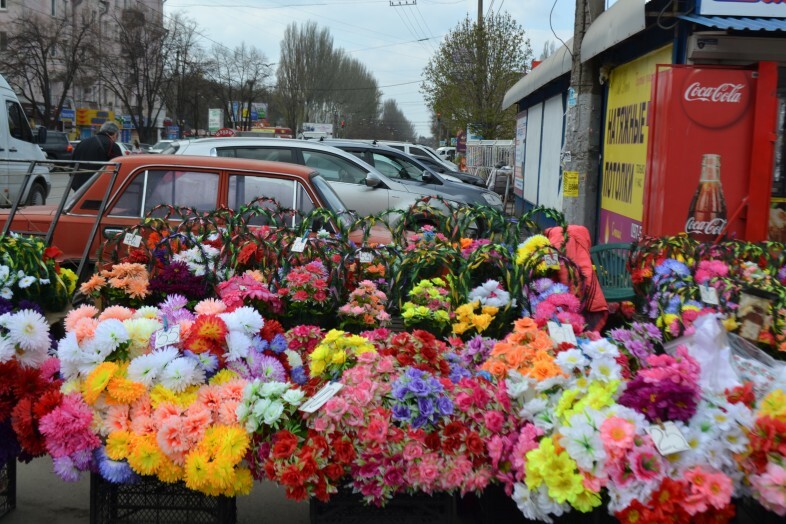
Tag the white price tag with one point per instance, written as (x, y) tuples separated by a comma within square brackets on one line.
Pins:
[(299, 244), (560, 333), (551, 260), (709, 295), (366, 257), (668, 438), (168, 337), (132, 239), (322, 396)]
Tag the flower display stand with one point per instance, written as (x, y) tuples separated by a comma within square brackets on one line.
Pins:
[(346, 507), (151, 501), (7, 487)]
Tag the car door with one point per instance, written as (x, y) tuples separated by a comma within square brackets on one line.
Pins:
[(21, 146), (5, 197), (348, 180), (401, 169)]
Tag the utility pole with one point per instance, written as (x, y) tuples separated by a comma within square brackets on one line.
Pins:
[(480, 13), (582, 136)]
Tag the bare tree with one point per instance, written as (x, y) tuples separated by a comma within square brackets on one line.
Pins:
[(43, 58), (239, 76), (394, 125), (549, 47)]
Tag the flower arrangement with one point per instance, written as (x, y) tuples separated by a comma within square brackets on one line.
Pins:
[(29, 272), (266, 406), (365, 308), (249, 288), (124, 283), (419, 399), (305, 289), (428, 306), (527, 350)]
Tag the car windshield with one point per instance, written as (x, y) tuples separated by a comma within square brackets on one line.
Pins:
[(331, 199), (160, 146)]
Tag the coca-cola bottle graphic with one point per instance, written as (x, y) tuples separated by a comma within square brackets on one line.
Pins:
[(707, 212)]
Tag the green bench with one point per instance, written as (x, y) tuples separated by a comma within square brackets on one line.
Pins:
[(610, 262)]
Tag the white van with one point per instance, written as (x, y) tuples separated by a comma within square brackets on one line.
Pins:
[(18, 144)]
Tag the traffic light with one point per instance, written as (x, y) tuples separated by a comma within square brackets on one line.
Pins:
[(342, 124)]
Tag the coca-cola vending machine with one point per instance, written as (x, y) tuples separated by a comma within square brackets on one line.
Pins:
[(710, 152)]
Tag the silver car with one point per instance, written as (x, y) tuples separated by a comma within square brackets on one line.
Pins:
[(362, 187)]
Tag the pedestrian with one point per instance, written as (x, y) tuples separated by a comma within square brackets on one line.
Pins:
[(100, 147), (137, 148)]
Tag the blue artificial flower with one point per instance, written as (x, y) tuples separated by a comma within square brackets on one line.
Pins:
[(298, 375), (259, 344), (426, 406), (485, 375), (444, 405), (401, 412), (278, 344), (399, 391), (457, 372), (420, 421), (419, 388), (114, 471), (207, 361)]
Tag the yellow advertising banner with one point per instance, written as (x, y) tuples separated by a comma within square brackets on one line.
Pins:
[(93, 117), (625, 134)]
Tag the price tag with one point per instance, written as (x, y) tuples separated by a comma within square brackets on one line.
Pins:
[(299, 244), (168, 337), (366, 257), (551, 260), (322, 396), (132, 239), (709, 295), (560, 333), (668, 438)]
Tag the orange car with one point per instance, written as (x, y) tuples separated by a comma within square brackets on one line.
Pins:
[(204, 183)]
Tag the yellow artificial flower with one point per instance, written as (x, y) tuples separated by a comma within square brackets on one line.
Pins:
[(481, 322), (774, 405), (537, 463), (243, 482), (170, 472), (338, 358), (125, 391), (222, 377), (69, 279), (145, 457), (97, 380), (731, 324), (234, 443), (586, 501), (317, 367), (489, 310), (119, 444), (197, 469), (460, 327)]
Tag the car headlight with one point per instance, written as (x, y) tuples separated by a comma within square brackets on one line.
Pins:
[(492, 199)]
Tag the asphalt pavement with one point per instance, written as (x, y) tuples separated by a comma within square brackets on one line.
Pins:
[(41, 497)]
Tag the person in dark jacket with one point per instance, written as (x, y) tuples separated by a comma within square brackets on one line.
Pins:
[(100, 147)]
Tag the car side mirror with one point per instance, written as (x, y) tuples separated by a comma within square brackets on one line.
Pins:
[(428, 176), (372, 180), (41, 136)]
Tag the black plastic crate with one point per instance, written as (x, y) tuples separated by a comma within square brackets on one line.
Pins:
[(346, 507), (150, 501), (8, 487)]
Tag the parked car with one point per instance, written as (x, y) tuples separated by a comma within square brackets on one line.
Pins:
[(447, 152), (145, 181), (419, 150), (160, 146), (469, 178), (363, 187), (57, 146)]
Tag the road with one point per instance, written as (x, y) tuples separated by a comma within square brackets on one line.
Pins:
[(43, 498)]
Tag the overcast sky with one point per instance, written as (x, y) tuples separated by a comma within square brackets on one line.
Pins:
[(381, 36)]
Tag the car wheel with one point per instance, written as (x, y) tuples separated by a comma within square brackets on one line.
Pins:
[(37, 196)]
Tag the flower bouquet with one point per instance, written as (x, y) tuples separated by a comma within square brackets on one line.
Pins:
[(305, 290), (365, 308), (428, 306)]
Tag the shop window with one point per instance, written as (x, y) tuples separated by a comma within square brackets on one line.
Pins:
[(54, 7), (2, 4)]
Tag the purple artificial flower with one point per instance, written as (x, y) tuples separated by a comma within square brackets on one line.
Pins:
[(29, 304), (418, 387), (420, 421), (425, 406), (114, 471), (661, 402), (65, 468), (5, 306), (175, 277), (271, 370), (458, 372), (298, 375), (259, 344), (401, 413)]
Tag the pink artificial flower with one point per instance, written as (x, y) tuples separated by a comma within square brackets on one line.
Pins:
[(227, 413), (117, 312), (117, 418), (617, 435), (75, 315), (300, 296), (210, 306), (412, 451), (494, 421), (377, 430), (707, 489), (647, 464), (336, 407), (770, 488)]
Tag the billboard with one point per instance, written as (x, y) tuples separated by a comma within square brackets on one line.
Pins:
[(625, 139), (703, 175), (520, 152), (773, 8), (215, 119)]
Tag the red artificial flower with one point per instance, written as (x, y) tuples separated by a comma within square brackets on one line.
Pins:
[(297, 493), (742, 394), (47, 402), (285, 445), (290, 477), (433, 441), (334, 472), (26, 428), (475, 444), (271, 329), (716, 516)]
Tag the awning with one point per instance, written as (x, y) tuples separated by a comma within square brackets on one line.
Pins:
[(550, 69), (738, 23), (616, 24)]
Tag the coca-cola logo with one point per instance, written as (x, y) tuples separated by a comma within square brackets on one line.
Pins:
[(712, 227), (716, 97), (728, 93)]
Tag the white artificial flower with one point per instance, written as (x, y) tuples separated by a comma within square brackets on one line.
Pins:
[(245, 319), (583, 443), (111, 332), (273, 413), (571, 359), (273, 389), (146, 368), (29, 330), (260, 407), (6, 293), (181, 373), (147, 312), (293, 396), (5, 272), (238, 346), (548, 383), (490, 294), (600, 348), (27, 281), (605, 369), (7, 349), (293, 358), (140, 330), (517, 385)]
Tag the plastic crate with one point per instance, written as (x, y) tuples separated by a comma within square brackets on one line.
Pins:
[(7, 487), (151, 501), (346, 507)]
